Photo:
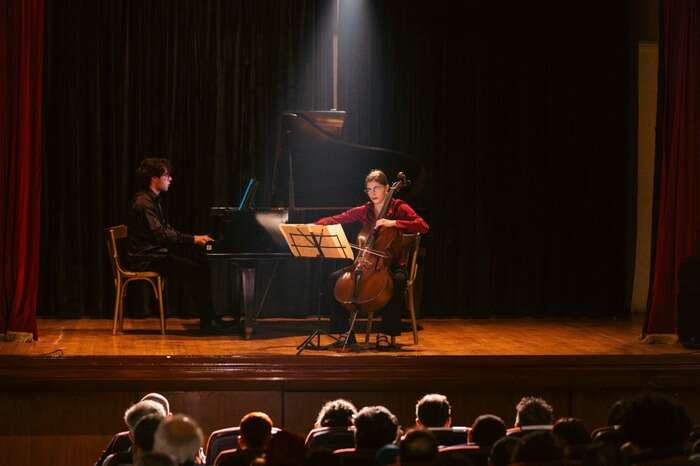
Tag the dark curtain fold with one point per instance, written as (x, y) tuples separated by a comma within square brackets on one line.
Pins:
[(678, 158), (519, 110), (521, 113), (199, 82), (21, 81)]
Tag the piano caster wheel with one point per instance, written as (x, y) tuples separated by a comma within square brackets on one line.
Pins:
[(248, 333)]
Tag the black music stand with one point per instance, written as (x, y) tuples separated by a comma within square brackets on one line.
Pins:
[(316, 242)]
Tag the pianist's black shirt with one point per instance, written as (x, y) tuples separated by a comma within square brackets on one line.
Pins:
[(149, 233)]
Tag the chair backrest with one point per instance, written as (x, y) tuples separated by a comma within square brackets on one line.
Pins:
[(476, 455), (113, 234), (331, 438), (353, 457), (448, 436), (224, 439), (410, 245), (523, 431), (221, 456)]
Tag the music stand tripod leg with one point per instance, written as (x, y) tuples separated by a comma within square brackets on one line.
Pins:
[(351, 329)]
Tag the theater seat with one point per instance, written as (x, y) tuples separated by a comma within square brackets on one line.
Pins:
[(523, 431), (330, 438), (448, 436), (353, 457), (548, 463), (224, 439), (476, 455), (610, 434)]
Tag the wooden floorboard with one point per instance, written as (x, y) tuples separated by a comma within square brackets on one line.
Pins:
[(440, 337)]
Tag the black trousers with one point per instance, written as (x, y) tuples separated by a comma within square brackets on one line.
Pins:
[(195, 272), (390, 314)]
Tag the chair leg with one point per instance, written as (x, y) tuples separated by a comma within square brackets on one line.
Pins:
[(121, 305), (157, 292), (161, 306), (370, 318), (117, 303), (412, 310)]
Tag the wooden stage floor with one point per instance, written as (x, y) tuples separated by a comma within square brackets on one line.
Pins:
[(440, 337)]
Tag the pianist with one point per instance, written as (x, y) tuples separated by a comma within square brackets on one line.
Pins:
[(399, 215), (151, 239)]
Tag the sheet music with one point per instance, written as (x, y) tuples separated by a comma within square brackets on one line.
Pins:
[(309, 240)]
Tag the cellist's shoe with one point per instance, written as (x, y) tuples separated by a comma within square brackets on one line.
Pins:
[(340, 342)]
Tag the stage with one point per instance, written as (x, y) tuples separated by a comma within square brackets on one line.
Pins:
[(279, 337), (78, 378)]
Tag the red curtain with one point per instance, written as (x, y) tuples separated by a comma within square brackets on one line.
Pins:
[(678, 157), (21, 85)]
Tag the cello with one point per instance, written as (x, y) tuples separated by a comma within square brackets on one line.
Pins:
[(368, 285)]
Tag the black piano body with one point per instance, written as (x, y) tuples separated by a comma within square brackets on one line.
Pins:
[(315, 172)]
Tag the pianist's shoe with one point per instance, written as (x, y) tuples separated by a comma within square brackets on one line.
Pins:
[(218, 326)]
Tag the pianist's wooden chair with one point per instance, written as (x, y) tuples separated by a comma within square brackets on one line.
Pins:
[(410, 244), (123, 277)]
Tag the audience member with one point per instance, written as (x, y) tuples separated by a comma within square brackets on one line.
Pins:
[(144, 435), (155, 459), (657, 427), (336, 413), (322, 457), (419, 447), (603, 454), (503, 451), (487, 430), (285, 449), (571, 435), (122, 441), (160, 399), (538, 447), (453, 460), (433, 410), (616, 414), (133, 415), (375, 426), (253, 440), (179, 437), (144, 408), (533, 411)]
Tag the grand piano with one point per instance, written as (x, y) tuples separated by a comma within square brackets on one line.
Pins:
[(315, 172)]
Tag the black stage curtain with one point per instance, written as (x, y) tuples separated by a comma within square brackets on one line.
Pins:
[(198, 82), (521, 112)]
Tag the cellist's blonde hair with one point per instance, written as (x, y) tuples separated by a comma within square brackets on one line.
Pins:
[(378, 176)]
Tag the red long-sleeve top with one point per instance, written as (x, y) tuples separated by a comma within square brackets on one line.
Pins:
[(407, 220)]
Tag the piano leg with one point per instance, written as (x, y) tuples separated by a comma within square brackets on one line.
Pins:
[(248, 289)]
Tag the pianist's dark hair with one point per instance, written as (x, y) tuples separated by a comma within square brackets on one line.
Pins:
[(150, 167), (378, 176)]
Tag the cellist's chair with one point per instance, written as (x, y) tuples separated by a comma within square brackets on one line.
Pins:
[(123, 277), (410, 246)]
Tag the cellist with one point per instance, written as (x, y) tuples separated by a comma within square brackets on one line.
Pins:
[(399, 215)]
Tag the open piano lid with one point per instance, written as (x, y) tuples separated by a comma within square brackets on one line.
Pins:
[(314, 168)]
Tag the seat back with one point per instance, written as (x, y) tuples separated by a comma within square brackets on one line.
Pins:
[(523, 431), (410, 245), (477, 456), (113, 234), (224, 439), (448, 436), (353, 457), (330, 438), (221, 456)]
